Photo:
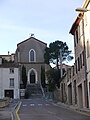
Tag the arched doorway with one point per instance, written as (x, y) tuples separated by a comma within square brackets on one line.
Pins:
[(32, 77)]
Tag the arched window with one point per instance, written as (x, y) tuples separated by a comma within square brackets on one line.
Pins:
[(32, 55)]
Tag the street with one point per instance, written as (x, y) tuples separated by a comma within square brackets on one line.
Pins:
[(40, 109)]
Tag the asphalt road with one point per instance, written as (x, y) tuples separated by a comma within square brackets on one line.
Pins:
[(40, 109)]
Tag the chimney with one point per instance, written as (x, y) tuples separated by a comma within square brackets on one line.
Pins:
[(8, 52)]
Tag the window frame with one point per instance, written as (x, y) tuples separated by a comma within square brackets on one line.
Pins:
[(88, 49), (11, 82), (34, 56), (11, 70)]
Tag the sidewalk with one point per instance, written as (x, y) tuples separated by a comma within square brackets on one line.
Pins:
[(7, 113), (85, 111)]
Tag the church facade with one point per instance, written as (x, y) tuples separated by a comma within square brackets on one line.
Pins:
[(30, 54)]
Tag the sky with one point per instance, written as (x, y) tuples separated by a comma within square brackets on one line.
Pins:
[(48, 20)]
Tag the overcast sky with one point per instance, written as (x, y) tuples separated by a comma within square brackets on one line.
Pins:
[(49, 20)]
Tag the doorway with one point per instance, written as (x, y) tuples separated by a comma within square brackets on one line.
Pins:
[(32, 77), (70, 93), (80, 97), (9, 93)]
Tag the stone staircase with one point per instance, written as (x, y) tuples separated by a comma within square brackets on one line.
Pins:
[(34, 90)]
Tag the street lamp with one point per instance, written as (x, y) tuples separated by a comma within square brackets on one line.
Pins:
[(83, 10)]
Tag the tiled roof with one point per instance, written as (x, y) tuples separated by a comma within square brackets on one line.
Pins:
[(75, 24), (6, 65)]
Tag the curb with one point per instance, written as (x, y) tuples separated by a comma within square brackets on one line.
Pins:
[(12, 116), (85, 112), (16, 113), (82, 111), (13, 113)]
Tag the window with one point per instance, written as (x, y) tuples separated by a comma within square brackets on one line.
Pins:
[(73, 70), (88, 52), (75, 92), (77, 36), (81, 27), (78, 64), (70, 72), (11, 70), (67, 74), (11, 82), (74, 41), (83, 57), (79, 32), (80, 60), (32, 55)]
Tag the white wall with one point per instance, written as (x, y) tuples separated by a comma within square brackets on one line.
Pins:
[(87, 37), (1, 83), (0, 60), (5, 81)]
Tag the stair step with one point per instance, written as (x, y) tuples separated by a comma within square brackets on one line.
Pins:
[(34, 90)]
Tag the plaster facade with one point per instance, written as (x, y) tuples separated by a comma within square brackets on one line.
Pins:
[(7, 88)]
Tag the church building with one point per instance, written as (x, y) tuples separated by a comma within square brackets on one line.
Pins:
[(30, 54)]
